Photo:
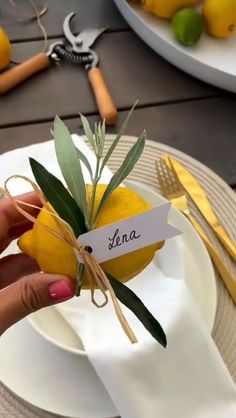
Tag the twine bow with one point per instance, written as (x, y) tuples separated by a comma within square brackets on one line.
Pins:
[(66, 234)]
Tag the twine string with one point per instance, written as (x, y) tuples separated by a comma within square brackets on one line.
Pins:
[(29, 17)]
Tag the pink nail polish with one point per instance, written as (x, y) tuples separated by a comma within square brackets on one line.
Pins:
[(60, 290)]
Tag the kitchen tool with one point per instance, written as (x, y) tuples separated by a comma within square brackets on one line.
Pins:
[(75, 49), (199, 197), (173, 191)]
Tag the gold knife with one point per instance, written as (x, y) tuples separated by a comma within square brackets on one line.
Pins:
[(198, 195)]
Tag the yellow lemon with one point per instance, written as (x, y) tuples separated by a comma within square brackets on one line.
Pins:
[(55, 256), (166, 8), (5, 49), (220, 17)]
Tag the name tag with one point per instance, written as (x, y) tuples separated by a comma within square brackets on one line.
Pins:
[(128, 235)]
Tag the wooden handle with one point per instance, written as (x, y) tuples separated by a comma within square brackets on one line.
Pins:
[(21, 72), (104, 101)]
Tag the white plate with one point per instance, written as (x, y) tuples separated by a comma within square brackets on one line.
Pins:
[(211, 60), (65, 383)]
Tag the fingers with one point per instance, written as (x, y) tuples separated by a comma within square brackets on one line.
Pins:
[(14, 267), (31, 293), (6, 236), (18, 229), (11, 213), (12, 223)]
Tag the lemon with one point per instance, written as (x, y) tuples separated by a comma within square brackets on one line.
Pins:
[(5, 49), (187, 25), (220, 17), (55, 256), (166, 8)]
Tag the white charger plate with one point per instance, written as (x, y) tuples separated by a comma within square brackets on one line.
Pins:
[(212, 60), (60, 380)]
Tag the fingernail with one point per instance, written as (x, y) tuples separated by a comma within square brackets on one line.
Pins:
[(60, 290)]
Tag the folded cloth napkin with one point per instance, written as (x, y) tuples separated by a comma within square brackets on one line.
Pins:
[(188, 379)]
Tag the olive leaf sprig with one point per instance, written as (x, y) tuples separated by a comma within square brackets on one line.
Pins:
[(97, 141), (71, 202)]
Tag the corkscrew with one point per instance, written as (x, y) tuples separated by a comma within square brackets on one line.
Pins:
[(76, 50)]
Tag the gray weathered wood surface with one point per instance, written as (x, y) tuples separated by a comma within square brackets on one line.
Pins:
[(175, 108)]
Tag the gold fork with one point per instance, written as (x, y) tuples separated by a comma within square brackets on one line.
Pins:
[(172, 189)]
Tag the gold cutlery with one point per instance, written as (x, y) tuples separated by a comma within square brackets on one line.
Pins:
[(172, 189), (199, 197)]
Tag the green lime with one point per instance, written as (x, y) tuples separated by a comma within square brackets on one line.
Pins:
[(187, 25)]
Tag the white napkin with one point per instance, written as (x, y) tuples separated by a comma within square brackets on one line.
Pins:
[(17, 162), (144, 380), (186, 380)]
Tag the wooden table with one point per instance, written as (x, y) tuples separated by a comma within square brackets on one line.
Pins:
[(175, 108)]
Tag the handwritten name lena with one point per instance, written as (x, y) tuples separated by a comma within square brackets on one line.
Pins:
[(120, 239)]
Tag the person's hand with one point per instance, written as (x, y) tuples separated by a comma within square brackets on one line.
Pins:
[(22, 290)]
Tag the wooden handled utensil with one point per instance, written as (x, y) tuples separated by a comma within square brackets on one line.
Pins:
[(76, 49), (16, 75)]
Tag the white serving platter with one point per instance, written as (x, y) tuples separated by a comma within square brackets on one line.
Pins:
[(212, 60)]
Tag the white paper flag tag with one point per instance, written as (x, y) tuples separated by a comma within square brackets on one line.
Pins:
[(128, 235)]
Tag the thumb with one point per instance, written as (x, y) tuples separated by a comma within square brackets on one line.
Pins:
[(31, 293)]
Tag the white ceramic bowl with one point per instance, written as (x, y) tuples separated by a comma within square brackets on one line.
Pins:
[(53, 327)]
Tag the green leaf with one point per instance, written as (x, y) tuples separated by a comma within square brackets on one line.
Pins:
[(124, 170), (88, 131), (132, 301), (104, 129), (85, 162), (59, 197), (79, 278), (99, 138), (116, 140), (70, 164)]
